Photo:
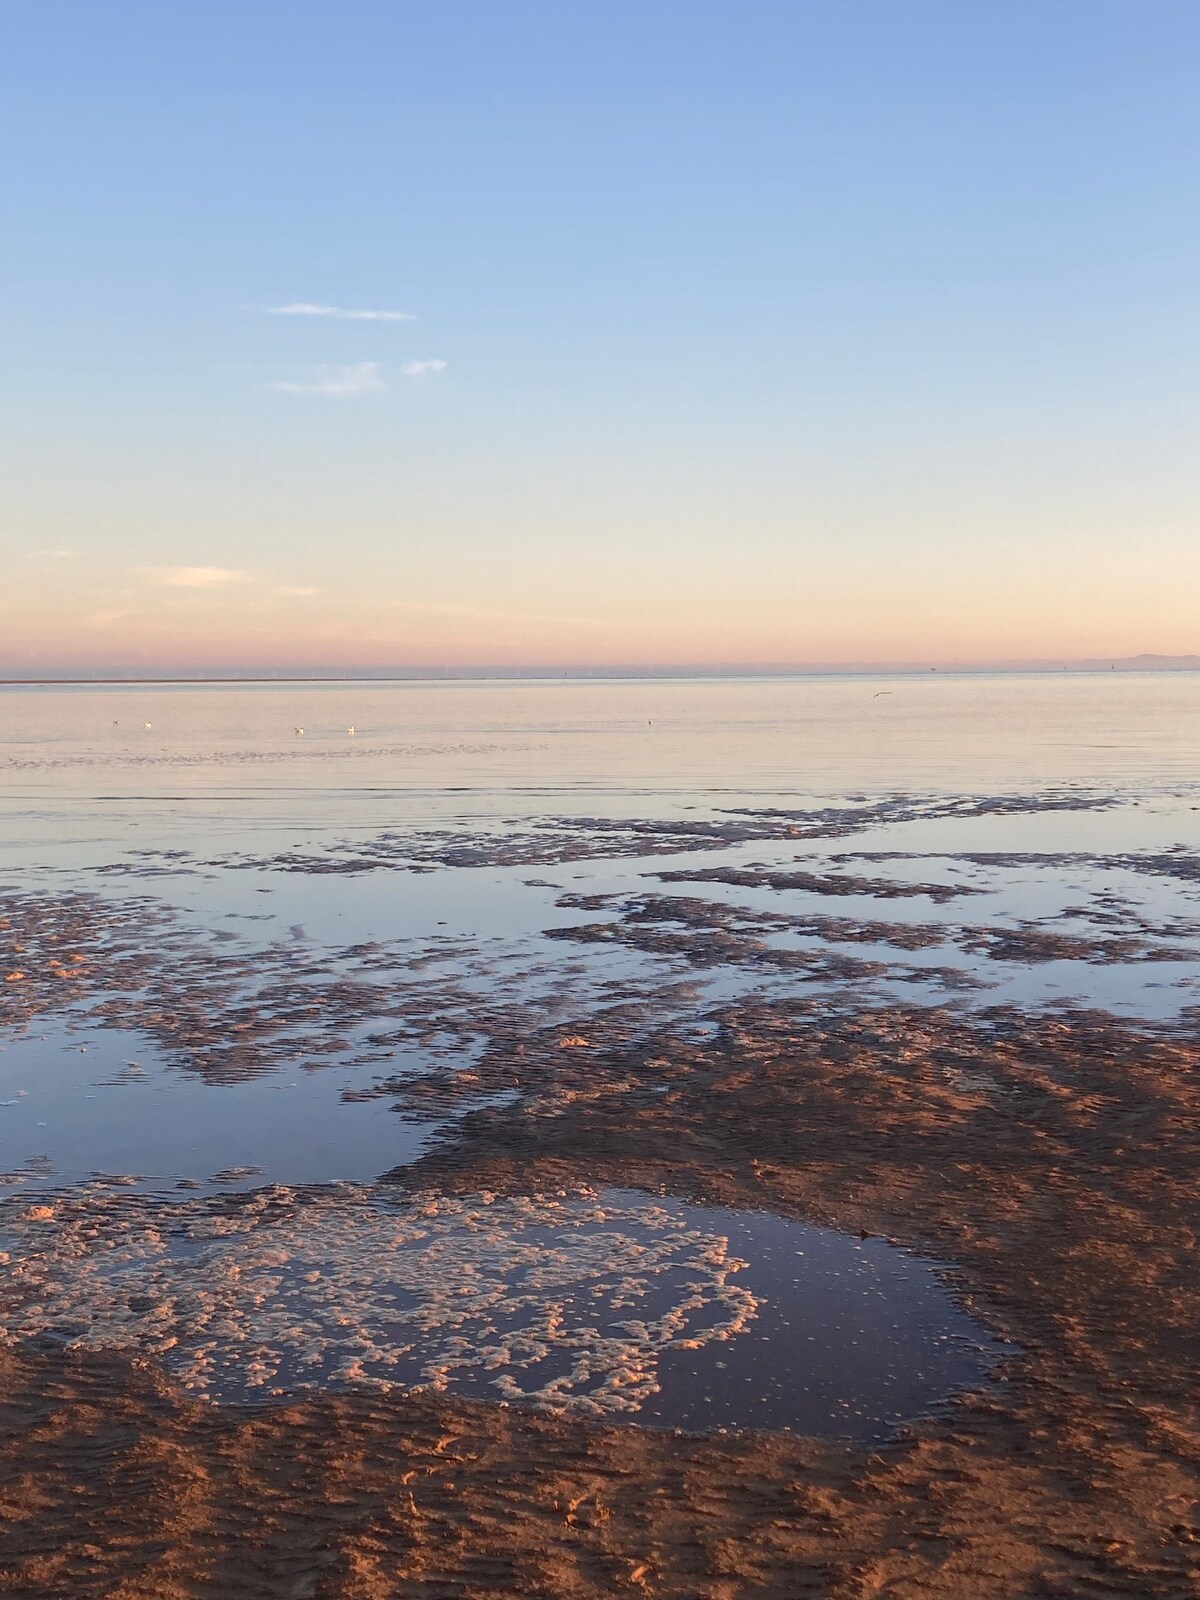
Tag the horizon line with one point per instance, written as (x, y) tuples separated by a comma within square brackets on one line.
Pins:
[(68, 676)]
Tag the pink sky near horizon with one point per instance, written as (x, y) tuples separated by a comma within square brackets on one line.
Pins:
[(823, 606)]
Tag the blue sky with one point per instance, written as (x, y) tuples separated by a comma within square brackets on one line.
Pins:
[(740, 332)]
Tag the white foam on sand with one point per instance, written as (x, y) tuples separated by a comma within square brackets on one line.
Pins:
[(563, 1301)]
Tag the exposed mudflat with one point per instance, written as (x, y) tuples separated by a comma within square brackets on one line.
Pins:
[(1054, 1161), (595, 1193)]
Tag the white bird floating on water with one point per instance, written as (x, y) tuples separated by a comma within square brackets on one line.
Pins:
[(350, 729), (299, 729), (147, 726)]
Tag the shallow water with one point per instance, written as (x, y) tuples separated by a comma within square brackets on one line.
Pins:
[(821, 734), (293, 948), (614, 1304), (84, 1104)]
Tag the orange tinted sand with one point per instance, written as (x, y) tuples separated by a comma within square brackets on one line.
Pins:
[(1055, 1161)]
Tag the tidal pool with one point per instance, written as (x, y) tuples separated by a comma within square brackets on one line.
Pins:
[(84, 1104), (610, 1304)]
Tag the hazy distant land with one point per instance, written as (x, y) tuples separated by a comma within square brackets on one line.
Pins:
[(1145, 662)]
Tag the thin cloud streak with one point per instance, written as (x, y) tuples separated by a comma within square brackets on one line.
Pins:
[(418, 369), (338, 383), (305, 308), (192, 577)]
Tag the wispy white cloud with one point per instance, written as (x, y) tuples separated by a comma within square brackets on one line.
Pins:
[(291, 591), (193, 577), (106, 619), (339, 383), (50, 555), (305, 308), (418, 369)]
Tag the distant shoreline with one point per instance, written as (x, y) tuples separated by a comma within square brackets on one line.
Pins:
[(1128, 666)]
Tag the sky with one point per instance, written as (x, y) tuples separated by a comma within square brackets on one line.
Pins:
[(659, 332)]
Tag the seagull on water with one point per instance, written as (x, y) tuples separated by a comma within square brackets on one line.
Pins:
[(299, 729)]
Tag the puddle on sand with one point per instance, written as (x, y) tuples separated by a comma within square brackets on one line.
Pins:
[(78, 1104), (850, 1337), (613, 1305)]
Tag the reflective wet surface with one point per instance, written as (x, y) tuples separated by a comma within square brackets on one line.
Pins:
[(241, 961), (611, 1304)]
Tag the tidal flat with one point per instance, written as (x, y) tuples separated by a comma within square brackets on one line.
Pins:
[(698, 1139)]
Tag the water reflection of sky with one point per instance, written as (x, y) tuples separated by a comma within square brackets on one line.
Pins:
[(485, 925), (221, 776), (617, 1304), (968, 732), (73, 1109)]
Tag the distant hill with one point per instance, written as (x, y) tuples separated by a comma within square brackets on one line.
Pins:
[(1144, 663)]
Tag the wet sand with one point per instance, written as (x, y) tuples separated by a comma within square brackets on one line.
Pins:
[(973, 1037), (1053, 1159)]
